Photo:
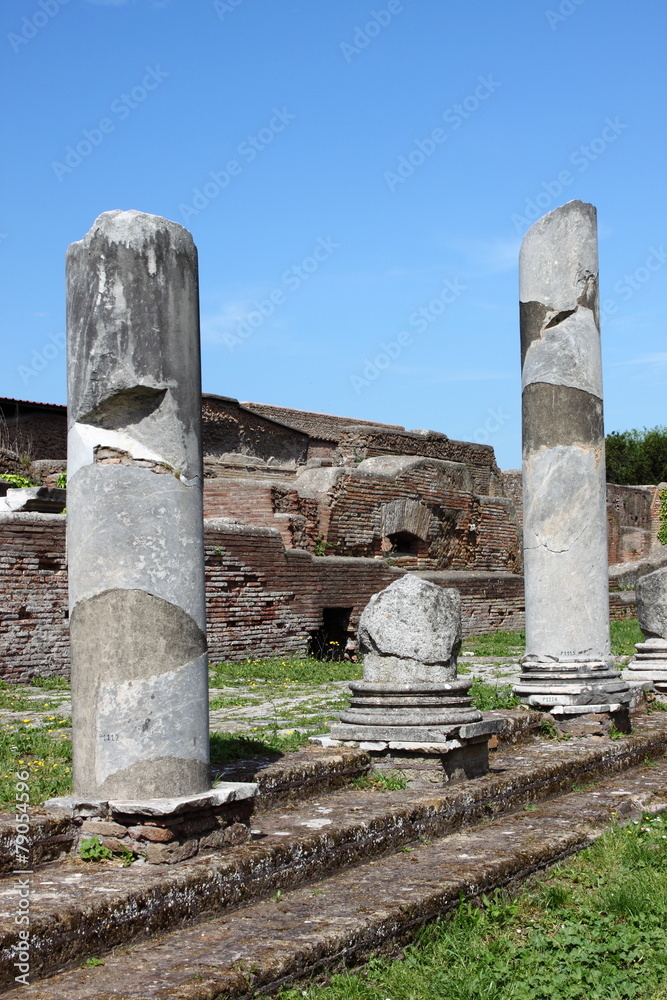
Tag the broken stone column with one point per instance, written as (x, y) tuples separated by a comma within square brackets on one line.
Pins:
[(135, 532), (650, 661), (568, 667), (411, 712)]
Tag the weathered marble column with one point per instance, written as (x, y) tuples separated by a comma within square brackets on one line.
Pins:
[(650, 661), (568, 661), (134, 503)]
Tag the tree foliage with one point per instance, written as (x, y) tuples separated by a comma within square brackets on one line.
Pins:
[(637, 457)]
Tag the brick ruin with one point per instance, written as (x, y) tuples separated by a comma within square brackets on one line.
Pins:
[(306, 516)]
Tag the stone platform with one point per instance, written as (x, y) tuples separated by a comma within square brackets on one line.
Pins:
[(346, 888)]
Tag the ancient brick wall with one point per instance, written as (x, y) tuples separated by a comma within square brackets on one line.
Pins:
[(262, 599), (33, 429), (513, 489), (466, 531), (316, 425), (229, 428), (34, 633)]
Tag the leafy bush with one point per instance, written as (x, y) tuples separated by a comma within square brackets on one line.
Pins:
[(637, 458)]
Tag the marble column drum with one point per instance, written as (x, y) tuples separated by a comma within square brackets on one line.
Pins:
[(568, 659), (134, 500)]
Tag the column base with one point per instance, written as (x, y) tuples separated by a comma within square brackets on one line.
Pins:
[(425, 756), (547, 683), (164, 831), (649, 664)]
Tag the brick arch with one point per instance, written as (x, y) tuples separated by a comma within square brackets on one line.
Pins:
[(405, 516)]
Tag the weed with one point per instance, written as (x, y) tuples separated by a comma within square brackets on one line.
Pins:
[(549, 730), (487, 697), (17, 482), (92, 849), (50, 683), (277, 896), (386, 781), (61, 481), (614, 733), (91, 963)]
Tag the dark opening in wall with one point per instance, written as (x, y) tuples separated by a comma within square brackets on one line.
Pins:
[(404, 544), (330, 640)]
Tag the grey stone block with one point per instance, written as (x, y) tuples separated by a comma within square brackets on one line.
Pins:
[(414, 621)]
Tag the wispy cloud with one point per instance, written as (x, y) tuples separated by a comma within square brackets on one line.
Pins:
[(429, 377), (657, 359), (483, 257)]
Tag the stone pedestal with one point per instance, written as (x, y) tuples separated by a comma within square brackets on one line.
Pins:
[(411, 712), (165, 831), (568, 660), (650, 660)]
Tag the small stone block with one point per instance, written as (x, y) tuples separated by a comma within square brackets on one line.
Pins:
[(170, 854), (102, 828), (237, 833), (372, 746), (214, 839), (471, 729), (77, 808), (156, 834), (227, 791)]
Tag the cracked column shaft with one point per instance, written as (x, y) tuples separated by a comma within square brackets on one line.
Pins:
[(568, 657), (135, 527)]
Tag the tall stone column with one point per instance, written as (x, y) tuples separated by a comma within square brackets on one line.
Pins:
[(568, 660), (134, 500)]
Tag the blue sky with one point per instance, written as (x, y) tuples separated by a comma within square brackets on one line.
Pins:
[(357, 178)]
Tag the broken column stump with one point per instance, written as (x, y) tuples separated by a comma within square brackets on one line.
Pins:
[(410, 712), (135, 521), (567, 669), (650, 661)]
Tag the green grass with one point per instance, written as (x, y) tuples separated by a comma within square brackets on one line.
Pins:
[(496, 643), (284, 670), (265, 742), (51, 683), (45, 753), (592, 929), (487, 697), (385, 781), (18, 701), (624, 635)]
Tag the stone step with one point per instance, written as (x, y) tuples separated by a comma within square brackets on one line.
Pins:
[(79, 908), (308, 772), (348, 914)]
